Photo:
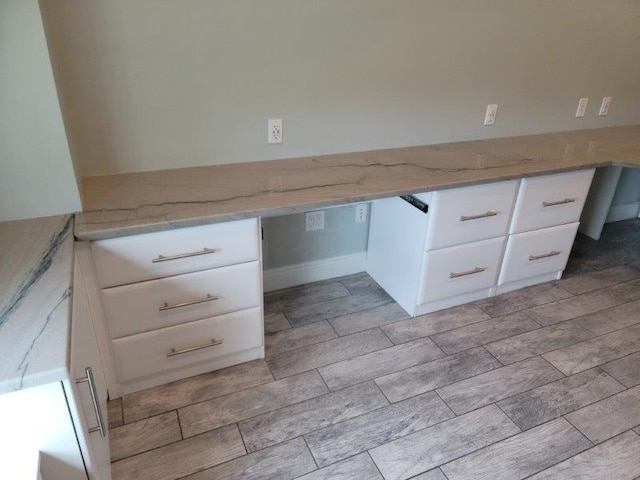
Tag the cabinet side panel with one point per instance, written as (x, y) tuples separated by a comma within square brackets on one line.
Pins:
[(396, 245)]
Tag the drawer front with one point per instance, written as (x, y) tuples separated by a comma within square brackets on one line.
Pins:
[(538, 252), (550, 200), (145, 354), (464, 268), (469, 214), (144, 306), (154, 255)]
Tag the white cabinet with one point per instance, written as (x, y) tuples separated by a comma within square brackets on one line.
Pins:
[(545, 222), (475, 241), (56, 423), (448, 256), (179, 303)]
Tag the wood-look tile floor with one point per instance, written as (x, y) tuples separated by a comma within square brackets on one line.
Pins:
[(539, 383)]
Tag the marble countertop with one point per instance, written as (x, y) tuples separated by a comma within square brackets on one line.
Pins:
[(36, 268), (124, 204)]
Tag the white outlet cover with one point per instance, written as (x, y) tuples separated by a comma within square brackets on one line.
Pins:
[(274, 130), (582, 107), (490, 115), (604, 107), (314, 221)]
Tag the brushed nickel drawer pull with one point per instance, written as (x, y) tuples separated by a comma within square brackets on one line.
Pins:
[(558, 202), (552, 253), (175, 352), (464, 218), (470, 272), (208, 298), (94, 399), (204, 251)]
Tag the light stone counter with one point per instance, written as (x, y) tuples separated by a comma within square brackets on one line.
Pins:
[(116, 205), (36, 267)]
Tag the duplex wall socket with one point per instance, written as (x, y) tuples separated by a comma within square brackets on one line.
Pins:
[(582, 107), (361, 212), (604, 108), (314, 221), (274, 130), (490, 115)]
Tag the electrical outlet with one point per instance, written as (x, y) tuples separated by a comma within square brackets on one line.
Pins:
[(582, 107), (490, 115), (361, 213), (274, 130), (604, 108), (314, 220)]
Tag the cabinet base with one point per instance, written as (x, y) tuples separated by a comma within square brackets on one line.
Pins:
[(200, 368), (453, 301), (527, 282)]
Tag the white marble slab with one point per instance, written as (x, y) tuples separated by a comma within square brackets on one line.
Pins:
[(123, 204), (36, 265)]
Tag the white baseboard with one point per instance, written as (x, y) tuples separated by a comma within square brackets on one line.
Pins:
[(623, 212), (301, 273)]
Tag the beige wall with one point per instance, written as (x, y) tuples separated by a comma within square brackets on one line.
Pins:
[(36, 174), (149, 84)]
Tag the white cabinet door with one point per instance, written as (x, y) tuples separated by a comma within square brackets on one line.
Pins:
[(37, 420), (88, 404)]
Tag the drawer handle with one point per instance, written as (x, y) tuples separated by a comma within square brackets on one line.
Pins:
[(552, 253), (470, 272), (175, 352), (464, 218), (208, 298), (204, 251), (94, 399), (558, 202)]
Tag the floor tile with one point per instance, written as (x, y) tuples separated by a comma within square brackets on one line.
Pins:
[(382, 362), (375, 317), (367, 431), (359, 282), (298, 337), (424, 325), (143, 435), (438, 373), (536, 342), (312, 293), (434, 446), (596, 351), (238, 406), (555, 399), (194, 389), (522, 299), (600, 279), (282, 462), (495, 385), (326, 353), (431, 475), (609, 417), (480, 333), (335, 308), (275, 322), (182, 458), (360, 467), (625, 292), (618, 458), (521, 455), (570, 308), (612, 319), (319, 412), (114, 412), (626, 370)]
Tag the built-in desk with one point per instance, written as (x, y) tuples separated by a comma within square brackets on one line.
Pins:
[(125, 204)]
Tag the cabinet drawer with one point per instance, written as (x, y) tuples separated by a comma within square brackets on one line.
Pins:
[(153, 255), (456, 270), (146, 354), (538, 252), (469, 214), (141, 306), (550, 200)]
